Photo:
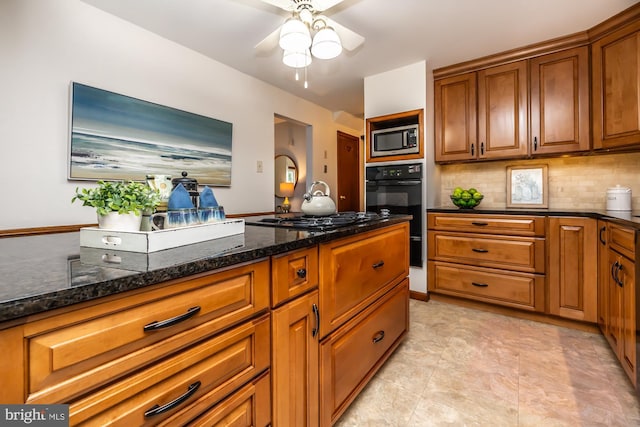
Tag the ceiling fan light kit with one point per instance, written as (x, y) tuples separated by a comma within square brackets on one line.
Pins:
[(296, 59), (326, 44), (308, 33), (295, 35)]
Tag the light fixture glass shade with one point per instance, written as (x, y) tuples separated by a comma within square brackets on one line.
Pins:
[(295, 35), (296, 59), (326, 44)]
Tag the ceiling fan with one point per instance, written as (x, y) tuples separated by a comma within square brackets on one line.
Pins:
[(308, 33)]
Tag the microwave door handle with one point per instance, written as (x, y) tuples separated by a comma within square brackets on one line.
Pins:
[(404, 138)]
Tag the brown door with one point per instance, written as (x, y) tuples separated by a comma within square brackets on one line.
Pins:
[(348, 173)]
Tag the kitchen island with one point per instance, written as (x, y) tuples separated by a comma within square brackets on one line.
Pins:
[(206, 331)]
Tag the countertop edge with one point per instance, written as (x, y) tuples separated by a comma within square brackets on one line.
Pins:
[(18, 310)]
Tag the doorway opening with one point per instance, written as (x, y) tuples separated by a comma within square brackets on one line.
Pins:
[(292, 139)]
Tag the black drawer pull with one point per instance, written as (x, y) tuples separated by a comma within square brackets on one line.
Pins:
[(155, 325), (480, 224), (602, 230), (480, 285), (378, 264), (618, 280), (302, 273), (482, 251), (157, 409), (379, 336), (316, 314)]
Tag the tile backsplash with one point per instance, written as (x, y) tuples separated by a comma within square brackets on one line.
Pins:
[(574, 182)]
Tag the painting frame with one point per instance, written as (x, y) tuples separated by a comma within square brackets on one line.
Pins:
[(118, 137), (528, 186)]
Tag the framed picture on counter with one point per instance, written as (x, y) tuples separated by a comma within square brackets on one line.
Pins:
[(527, 186)]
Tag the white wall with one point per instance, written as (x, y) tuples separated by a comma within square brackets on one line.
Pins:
[(396, 91), (44, 45)]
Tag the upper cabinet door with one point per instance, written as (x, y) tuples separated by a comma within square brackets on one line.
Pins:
[(503, 111), (560, 102), (455, 118), (616, 88)]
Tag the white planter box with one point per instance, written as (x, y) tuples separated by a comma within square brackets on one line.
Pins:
[(153, 241)]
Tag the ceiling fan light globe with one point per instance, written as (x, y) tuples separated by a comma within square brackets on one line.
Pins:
[(296, 59), (294, 36), (326, 44)]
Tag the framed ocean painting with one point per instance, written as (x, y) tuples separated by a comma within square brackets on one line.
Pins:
[(117, 137)]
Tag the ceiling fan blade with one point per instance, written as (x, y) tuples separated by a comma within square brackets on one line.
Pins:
[(350, 40), (287, 5), (322, 5), (269, 43)]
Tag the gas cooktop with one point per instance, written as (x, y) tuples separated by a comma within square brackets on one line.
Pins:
[(317, 223)]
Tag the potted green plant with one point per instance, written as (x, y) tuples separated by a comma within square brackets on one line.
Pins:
[(119, 204)]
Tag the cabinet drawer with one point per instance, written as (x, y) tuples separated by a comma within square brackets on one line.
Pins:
[(247, 407), (623, 240), (514, 225), (356, 271), (78, 351), (206, 373), (520, 290), (354, 353), (292, 274), (513, 253)]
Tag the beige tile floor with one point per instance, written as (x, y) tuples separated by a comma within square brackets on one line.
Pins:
[(464, 367)]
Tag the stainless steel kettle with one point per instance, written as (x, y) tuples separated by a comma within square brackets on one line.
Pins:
[(318, 203)]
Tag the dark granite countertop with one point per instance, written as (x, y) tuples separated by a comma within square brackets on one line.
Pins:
[(625, 218), (45, 272)]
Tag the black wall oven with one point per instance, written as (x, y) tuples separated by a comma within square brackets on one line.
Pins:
[(399, 189)]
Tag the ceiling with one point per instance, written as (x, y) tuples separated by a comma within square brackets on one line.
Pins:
[(397, 33)]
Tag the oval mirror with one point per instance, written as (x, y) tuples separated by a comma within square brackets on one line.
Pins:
[(285, 171)]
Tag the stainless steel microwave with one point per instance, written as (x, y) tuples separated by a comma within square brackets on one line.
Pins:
[(395, 141)]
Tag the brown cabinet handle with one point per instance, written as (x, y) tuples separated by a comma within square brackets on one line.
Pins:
[(155, 325), (157, 409), (302, 273), (316, 314), (482, 251), (378, 265), (480, 285), (379, 336), (480, 224), (602, 230)]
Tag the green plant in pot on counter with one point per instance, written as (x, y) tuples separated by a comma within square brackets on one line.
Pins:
[(119, 204)]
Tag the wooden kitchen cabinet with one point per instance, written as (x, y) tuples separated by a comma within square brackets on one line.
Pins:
[(96, 356), (603, 277), (294, 364), (622, 274), (615, 60), (482, 115), (503, 108), (355, 271), (351, 355), (559, 90), (499, 259), (573, 268), (456, 134)]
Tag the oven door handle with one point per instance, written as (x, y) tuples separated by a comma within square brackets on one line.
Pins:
[(397, 182)]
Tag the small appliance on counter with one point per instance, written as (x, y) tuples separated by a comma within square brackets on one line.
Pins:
[(619, 198)]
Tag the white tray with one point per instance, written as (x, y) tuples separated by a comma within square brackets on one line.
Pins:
[(153, 241), (137, 261)]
